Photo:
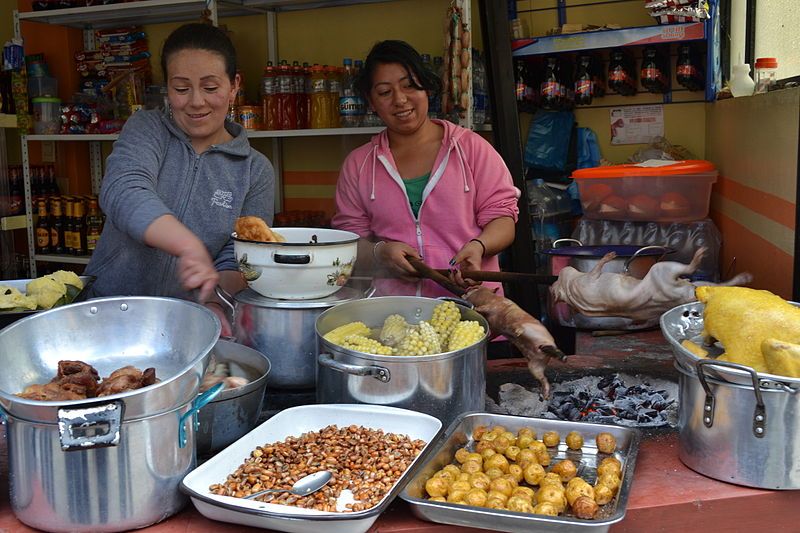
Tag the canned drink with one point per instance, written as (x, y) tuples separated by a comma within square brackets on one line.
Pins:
[(249, 116)]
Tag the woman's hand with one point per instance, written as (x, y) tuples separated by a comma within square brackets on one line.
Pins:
[(392, 255), (469, 257), (217, 309), (196, 270)]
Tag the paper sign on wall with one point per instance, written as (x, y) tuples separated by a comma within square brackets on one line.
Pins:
[(636, 124)]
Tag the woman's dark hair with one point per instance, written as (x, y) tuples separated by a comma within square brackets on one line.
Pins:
[(403, 53), (199, 36)]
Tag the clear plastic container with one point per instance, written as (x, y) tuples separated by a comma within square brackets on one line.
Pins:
[(46, 116), (656, 191), (42, 86), (766, 74)]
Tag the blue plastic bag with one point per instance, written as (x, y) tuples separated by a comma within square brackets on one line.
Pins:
[(548, 140), (588, 149)]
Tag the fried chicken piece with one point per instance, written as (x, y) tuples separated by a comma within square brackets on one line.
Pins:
[(255, 229), (126, 379), (78, 373), (54, 392)]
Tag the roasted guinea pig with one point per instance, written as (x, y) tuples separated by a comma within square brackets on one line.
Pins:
[(255, 229), (77, 380)]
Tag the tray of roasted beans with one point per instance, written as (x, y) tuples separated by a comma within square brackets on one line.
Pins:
[(511, 473), (370, 452)]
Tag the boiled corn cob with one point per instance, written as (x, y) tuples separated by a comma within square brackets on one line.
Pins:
[(444, 319), (337, 335), (420, 340), (466, 333), (394, 329), (360, 343)]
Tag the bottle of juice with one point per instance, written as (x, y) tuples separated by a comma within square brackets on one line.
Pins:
[(269, 98), (287, 99), (298, 90), (320, 99), (334, 90), (306, 96)]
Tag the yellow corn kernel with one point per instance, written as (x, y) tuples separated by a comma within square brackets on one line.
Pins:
[(337, 335), (360, 343), (466, 333), (444, 319), (393, 330), (420, 340)]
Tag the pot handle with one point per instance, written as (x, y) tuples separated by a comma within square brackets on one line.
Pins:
[(201, 401), (287, 259), (96, 426), (378, 372), (760, 414), (559, 241), (3, 416), (630, 260), (459, 301), (227, 300)]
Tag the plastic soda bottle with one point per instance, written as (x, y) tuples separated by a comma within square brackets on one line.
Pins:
[(287, 99), (298, 89), (269, 100), (320, 101), (349, 113), (334, 93)]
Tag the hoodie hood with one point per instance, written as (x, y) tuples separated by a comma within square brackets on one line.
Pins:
[(238, 146)]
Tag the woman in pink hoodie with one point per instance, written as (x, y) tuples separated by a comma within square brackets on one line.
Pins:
[(422, 188)]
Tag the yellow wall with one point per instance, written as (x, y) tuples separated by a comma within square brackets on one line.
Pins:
[(753, 141)]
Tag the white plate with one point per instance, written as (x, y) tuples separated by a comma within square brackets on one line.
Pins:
[(294, 422)]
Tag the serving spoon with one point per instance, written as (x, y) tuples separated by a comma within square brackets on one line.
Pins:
[(302, 487)]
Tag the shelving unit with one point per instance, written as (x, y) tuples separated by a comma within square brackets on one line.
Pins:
[(8, 121), (161, 11), (707, 31)]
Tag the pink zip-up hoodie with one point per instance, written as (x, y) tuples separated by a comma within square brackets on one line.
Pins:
[(469, 187)]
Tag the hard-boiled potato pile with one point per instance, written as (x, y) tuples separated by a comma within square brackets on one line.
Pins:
[(514, 472), (45, 292), (443, 332)]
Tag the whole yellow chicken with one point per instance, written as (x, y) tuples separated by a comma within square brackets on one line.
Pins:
[(741, 319)]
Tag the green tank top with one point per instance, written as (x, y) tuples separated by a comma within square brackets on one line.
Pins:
[(414, 188)]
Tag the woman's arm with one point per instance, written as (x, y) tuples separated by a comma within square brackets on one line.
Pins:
[(496, 236)]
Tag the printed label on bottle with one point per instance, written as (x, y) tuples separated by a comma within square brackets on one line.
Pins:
[(91, 240), (54, 237), (318, 86), (618, 75), (583, 87), (550, 88), (42, 238), (687, 71), (351, 106)]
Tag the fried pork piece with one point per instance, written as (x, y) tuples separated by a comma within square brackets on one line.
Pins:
[(54, 392), (126, 379), (75, 380), (255, 229)]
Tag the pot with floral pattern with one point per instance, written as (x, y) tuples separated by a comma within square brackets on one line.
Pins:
[(312, 263)]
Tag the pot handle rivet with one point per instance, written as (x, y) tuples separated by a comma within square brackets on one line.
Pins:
[(93, 310), (123, 307)]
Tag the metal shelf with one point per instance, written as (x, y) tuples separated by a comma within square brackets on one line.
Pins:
[(573, 42), (8, 121), (256, 134), (14, 222), (158, 11), (71, 259)]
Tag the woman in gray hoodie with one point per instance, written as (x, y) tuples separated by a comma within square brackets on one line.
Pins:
[(175, 184)]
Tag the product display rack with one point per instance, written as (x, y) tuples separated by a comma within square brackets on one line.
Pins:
[(8, 121), (17, 221), (706, 31), (160, 11)]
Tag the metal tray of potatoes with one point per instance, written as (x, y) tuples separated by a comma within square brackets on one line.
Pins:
[(9, 317), (459, 435)]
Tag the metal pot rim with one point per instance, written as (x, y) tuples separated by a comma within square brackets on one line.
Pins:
[(598, 251), (401, 359), (348, 237), (230, 394)]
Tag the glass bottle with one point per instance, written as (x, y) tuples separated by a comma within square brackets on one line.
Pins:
[(78, 229), (584, 85), (94, 226), (42, 229), (69, 236), (654, 76), (687, 68), (56, 227), (550, 86)]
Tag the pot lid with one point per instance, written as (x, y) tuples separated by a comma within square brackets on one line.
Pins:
[(622, 250), (345, 294)]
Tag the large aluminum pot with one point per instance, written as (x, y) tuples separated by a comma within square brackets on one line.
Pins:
[(284, 329), (742, 434), (312, 263), (632, 260), (111, 463), (234, 412), (443, 385)]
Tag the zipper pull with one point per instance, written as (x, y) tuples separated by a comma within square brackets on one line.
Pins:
[(419, 230)]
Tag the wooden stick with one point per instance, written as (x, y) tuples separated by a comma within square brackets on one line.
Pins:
[(427, 272), (504, 277)]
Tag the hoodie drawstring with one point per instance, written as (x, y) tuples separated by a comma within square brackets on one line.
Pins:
[(374, 159), (461, 161)]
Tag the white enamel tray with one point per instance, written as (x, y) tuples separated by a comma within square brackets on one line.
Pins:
[(294, 422)]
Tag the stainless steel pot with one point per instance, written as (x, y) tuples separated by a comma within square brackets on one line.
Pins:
[(443, 385), (234, 412), (742, 434), (112, 463), (632, 260), (284, 330), (97, 471)]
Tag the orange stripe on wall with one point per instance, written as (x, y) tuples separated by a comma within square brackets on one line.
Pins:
[(763, 203), (301, 177), (772, 268)]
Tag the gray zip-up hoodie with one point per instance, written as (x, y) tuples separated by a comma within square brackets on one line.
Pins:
[(153, 171)]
